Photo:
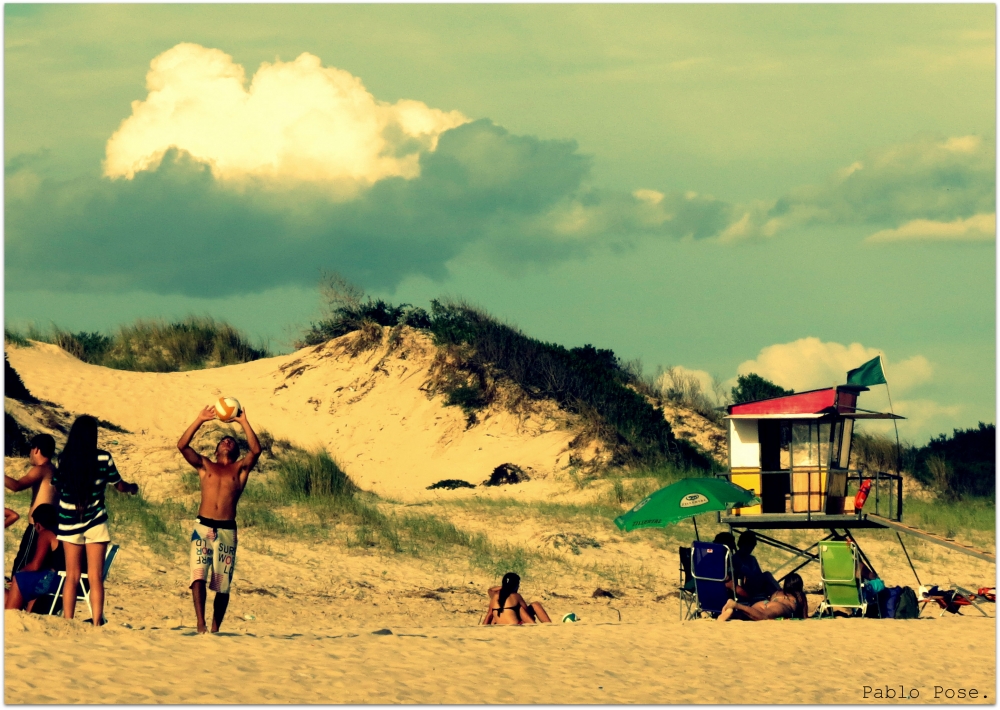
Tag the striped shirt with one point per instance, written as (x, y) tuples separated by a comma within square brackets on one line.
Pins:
[(95, 512)]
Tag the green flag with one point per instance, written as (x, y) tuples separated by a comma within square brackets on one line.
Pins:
[(868, 374)]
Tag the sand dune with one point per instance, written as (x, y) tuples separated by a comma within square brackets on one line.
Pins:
[(372, 411)]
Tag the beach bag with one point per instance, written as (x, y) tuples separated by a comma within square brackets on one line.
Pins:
[(906, 607), (888, 601)]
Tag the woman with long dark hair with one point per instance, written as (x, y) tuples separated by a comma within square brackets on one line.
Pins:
[(788, 603), (508, 607), (83, 472)]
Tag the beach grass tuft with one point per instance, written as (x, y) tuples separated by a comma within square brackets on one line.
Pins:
[(152, 345)]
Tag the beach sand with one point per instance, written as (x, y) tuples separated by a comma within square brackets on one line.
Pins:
[(829, 661)]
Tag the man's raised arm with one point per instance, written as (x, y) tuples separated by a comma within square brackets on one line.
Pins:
[(184, 445), (251, 458)]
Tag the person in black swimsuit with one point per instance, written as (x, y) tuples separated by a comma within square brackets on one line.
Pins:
[(506, 606), (39, 576)]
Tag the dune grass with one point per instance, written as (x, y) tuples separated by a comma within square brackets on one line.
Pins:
[(15, 337), (953, 518), (152, 345), (160, 525)]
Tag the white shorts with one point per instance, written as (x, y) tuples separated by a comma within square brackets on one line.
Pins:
[(98, 533)]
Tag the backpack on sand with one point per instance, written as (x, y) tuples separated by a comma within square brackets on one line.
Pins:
[(906, 606)]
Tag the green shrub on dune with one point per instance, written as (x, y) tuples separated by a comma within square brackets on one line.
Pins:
[(154, 345)]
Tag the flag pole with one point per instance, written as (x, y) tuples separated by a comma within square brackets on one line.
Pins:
[(899, 453)]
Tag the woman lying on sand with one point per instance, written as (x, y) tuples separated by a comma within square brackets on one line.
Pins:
[(789, 603), (508, 607)]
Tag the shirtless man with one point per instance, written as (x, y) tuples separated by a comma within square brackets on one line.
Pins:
[(39, 479), (213, 541)]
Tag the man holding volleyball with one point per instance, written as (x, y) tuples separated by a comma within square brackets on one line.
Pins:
[(213, 541)]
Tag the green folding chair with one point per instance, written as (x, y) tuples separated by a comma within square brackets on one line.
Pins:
[(838, 565)]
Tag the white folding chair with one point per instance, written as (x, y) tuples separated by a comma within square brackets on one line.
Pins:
[(84, 593)]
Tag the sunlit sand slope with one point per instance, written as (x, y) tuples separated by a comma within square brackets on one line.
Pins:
[(375, 411)]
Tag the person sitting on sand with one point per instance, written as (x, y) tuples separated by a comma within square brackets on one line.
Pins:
[(41, 448), (788, 603), (506, 606), (213, 541), (40, 574), (80, 479)]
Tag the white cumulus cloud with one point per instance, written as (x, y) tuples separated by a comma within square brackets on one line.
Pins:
[(809, 363), (978, 228), (297, 120)]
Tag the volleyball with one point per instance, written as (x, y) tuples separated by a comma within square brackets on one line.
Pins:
[(227, 408)]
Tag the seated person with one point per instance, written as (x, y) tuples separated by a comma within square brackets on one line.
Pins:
[(39, 479), (506, 606), (39, 576), (727, 539), (753, 582), (788, 603)]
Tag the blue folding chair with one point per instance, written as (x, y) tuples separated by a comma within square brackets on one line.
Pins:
[(711, 566)]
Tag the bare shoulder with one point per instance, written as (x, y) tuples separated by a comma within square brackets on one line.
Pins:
[(47, 537), (36, 473)]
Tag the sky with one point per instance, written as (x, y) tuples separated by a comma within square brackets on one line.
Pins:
[(723, 189)]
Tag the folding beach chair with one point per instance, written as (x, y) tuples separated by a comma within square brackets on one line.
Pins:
[(838, 568), (711, 566), (84, 593), (685, 589), (949, 600)]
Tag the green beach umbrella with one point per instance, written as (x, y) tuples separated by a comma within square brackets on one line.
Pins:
[(685, 499)]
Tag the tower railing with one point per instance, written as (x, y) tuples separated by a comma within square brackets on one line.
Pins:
[(885, 498)]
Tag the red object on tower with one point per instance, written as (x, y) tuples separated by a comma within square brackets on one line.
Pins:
[(862, 496)]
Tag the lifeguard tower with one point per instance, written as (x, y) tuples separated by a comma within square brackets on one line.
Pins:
[(794, 452)]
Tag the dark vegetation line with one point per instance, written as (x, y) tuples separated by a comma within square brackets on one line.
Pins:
[(955, 466)]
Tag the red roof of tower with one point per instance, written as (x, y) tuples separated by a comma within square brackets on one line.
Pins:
[(811, 402)]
